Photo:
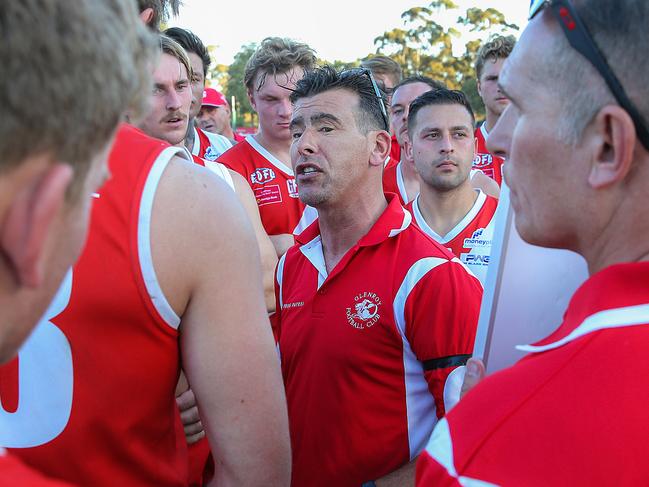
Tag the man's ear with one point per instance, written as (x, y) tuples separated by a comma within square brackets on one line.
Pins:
[(147, 15), (614, 140), (30, 219), (407, 148), (381, 149), (478, 87)]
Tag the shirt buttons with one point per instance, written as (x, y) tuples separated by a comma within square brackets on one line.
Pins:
[(322, 291)]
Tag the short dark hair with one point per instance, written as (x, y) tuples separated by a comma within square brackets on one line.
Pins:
[(357, 80), (442, 96), (190, 42), (434, 84)]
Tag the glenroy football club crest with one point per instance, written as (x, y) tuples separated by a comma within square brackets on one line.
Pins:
[(364, 313)]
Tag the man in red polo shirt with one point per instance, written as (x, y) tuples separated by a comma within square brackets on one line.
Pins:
[(573, 411), (374, 318)]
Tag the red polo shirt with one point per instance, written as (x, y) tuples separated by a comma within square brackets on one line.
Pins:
[(573, 412), (370, 351)]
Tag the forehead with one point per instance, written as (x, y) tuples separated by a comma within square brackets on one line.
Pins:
[(169, 70), (385, 79), (524, 74), (340, 103), (443, 116), (279, 84), (493, 68), (407, 93)]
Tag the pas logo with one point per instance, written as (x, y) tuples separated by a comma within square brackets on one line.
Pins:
[(477, 240), (291, 185), (365, 311), (211, 154), (262, 175)]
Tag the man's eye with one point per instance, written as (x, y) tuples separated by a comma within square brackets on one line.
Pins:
[(296, 135), (326, 129)]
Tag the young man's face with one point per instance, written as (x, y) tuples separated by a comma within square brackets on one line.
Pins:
[(399, 108), (198, 84), (494, 100), (215, 119), (272, 104), (442, 145), (170, 101)]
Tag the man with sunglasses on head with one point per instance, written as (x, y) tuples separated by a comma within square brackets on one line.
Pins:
[(573, 411), (374, 318)]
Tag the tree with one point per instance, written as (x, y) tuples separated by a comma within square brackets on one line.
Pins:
[(424, 46), (236, 87)]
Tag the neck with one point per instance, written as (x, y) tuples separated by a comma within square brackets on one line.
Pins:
[(189, 137), (343, 225), (410, 178), (228, 132), (490, 120), (443, 210), (278, 148)]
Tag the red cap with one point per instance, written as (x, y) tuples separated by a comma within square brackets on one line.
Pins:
[(213, 98)]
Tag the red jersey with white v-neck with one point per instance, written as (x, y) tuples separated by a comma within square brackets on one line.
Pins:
[(370, 352), (470, 239), (572, 412), (272, 182), (209, 146), (92, 398), (484, 160), (393, 181)]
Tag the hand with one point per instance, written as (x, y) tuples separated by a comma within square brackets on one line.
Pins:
[(475, 372), (189, 416)]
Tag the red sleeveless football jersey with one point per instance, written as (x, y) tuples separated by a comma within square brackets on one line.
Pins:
[(92, 398), (485, 161)]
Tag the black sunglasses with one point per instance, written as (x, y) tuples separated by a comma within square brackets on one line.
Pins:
[(581, 40), (377, 92)]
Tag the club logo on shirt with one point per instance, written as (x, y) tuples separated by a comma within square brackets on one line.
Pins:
[(291, 184), (365, 311), (262, 175), (211, 154)]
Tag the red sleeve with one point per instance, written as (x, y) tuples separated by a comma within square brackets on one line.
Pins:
[(441, 316)]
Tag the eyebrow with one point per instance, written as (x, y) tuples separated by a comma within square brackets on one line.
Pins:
[(452, 129), (296, 122), (325, 117)]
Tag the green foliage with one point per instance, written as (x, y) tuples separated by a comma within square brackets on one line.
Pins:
[(234, 85), (424, 46)]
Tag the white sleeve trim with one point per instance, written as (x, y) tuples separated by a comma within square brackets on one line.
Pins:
[(158, 299)]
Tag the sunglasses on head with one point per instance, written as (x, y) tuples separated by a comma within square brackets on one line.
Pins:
[(377, 92), (581, 40)]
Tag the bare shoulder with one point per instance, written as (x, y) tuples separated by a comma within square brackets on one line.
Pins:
[(196, 222)]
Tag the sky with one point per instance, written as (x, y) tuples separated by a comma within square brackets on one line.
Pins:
[(341, 30)]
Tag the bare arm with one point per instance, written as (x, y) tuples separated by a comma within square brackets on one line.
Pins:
[(266, 248), (207, 261), (282, 243)]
